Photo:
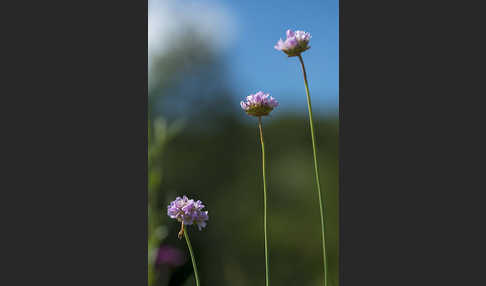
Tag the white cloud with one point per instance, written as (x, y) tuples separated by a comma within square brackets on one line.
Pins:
[(166, 17)]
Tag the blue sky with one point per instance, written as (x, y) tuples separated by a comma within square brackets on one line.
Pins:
[(245, 32), (254, 64)]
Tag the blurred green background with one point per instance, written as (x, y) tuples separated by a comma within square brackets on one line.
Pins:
[(203, 145)]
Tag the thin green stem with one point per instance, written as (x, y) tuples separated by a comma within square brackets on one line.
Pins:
[(267, 277), (316, 168), (192, 256)]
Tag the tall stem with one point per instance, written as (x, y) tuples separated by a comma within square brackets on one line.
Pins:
[(267, 278), (192, 256), (316, 168)]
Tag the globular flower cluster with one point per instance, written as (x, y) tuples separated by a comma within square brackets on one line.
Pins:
[(296, 43), (188, 211), (259, 104)]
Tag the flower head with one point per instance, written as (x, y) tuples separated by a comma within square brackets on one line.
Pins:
[(259, 104), (188, 211), (296, 43)]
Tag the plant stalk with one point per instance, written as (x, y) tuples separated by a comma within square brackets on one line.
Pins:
[(196, 276), (316, 168), (267, 277)]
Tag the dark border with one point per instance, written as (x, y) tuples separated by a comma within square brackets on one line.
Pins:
[(409, 207), (77, 161)]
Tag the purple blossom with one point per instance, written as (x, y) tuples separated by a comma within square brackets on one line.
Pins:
[(170, 256), (295, 43), (259, 104), (188, 211)]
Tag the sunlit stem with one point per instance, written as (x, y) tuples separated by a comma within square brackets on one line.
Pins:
[(267, 277), (316, 168), (193, 259)]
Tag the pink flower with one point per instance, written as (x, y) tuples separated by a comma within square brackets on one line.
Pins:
[(188, 211), (296, 43), (259, 104)]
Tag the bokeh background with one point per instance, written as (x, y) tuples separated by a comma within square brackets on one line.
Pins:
[(204, 57)]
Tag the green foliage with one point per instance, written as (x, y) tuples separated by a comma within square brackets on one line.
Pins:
[(223, 168), (159, 135)]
